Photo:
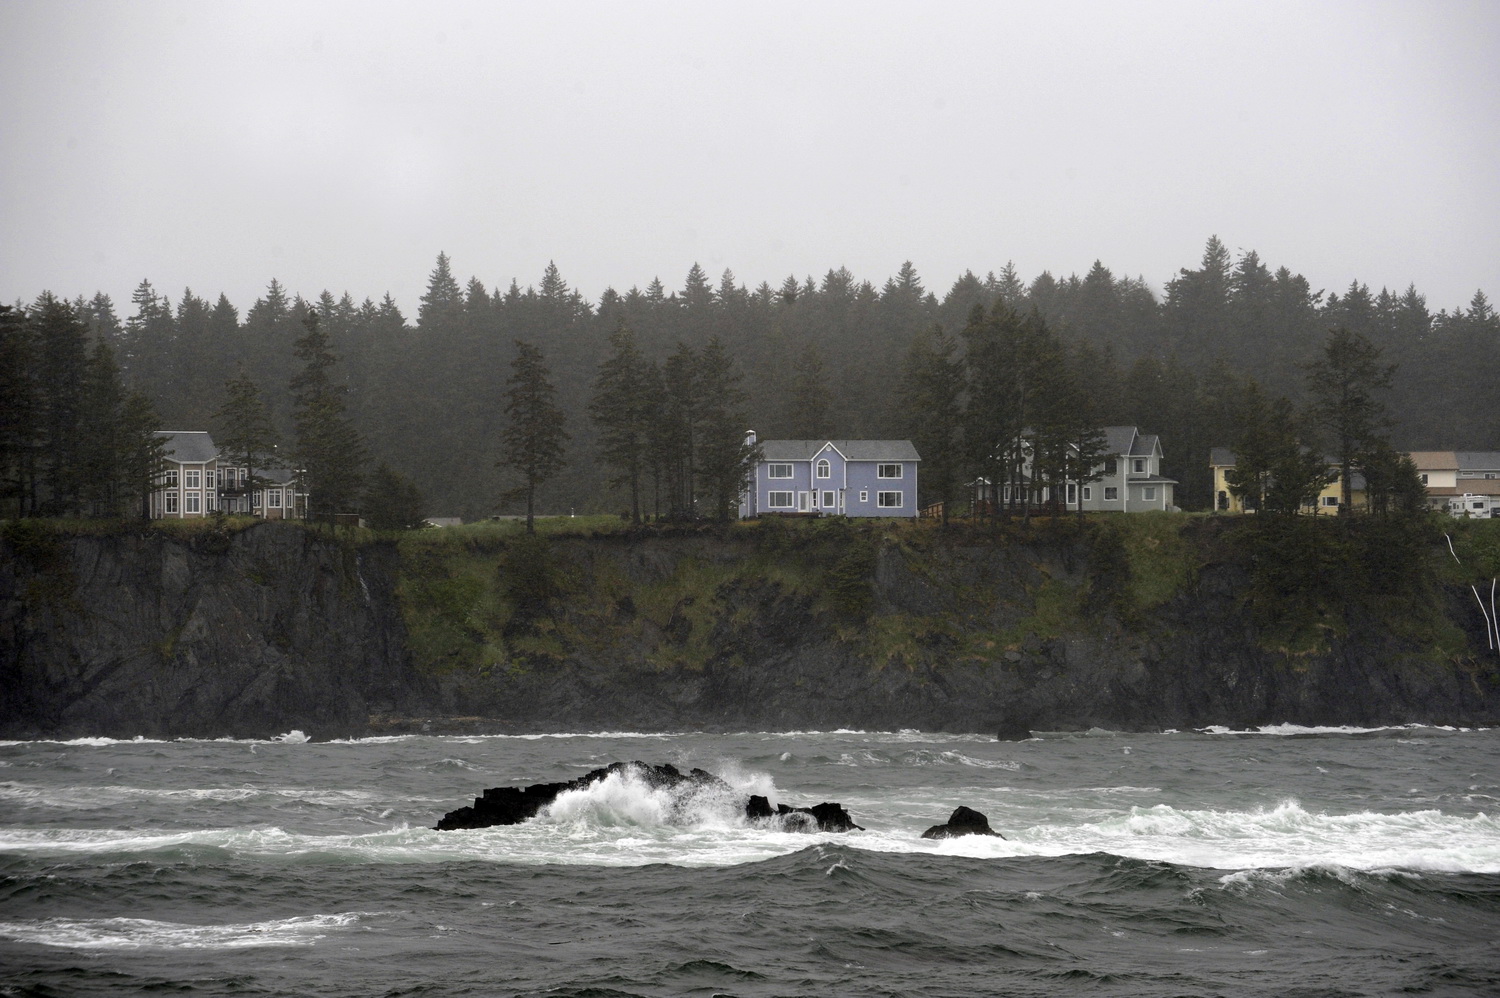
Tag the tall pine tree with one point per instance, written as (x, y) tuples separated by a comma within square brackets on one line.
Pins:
[(535, 436)]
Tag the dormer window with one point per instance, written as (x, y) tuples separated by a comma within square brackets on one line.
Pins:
[(1140, 466)]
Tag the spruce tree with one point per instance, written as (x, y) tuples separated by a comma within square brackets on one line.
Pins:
[(61, 353), (1346, 383), (20, 405), (245, 434), (932, 390), (392, 501), (534, 437), (142, 453), (621, 409), (102, 453), (330, 455), (724, 455)]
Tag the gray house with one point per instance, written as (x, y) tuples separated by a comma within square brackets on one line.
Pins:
[(1132, 481), (196, 481), (833, 478)]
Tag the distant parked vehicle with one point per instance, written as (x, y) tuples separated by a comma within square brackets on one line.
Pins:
[(1474, 506)]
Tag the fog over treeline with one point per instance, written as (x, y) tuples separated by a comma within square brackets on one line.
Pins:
[(820, 357)]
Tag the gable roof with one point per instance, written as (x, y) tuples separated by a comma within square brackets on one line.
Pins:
[(1434, 460), (1120, 438), (1478, 460), (188, 446), (853, 450)]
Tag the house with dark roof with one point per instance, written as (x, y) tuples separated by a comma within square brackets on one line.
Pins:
[(833, 478), (1132, 481), (196, 480), (1222, 460)]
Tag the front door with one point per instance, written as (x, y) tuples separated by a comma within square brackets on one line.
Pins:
[(803, 502)]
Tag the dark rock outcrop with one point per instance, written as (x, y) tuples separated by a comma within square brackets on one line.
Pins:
[(963, 821), (825, 817), (513, 805)]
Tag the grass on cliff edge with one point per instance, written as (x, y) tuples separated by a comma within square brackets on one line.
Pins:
[(487, 596)]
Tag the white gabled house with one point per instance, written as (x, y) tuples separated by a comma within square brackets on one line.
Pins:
[(196, 481), (1130, 479), (833, 478)]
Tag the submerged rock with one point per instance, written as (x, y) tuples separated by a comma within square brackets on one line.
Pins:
[(963, 821), (513, 805)]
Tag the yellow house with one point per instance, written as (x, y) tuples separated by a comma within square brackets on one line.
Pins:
[(1221, 460)]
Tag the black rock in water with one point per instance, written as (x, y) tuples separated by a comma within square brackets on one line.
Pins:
[(963, 821), (513, 805), (825, 817), (1013, 730)]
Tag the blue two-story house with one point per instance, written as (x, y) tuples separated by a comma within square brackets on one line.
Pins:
[(834, 478)]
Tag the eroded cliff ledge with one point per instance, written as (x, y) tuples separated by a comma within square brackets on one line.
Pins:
[(1128, 623)]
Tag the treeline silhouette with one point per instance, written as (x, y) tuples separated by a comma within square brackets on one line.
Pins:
[(820, 357)]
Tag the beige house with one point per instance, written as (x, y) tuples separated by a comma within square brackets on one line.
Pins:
[(1464, 483), (196, 481)]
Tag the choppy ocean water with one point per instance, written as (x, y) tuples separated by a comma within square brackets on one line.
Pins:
[(1283, 862)]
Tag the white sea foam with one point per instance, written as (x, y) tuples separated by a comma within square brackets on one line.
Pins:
[(86, 798), (1283, 836), (621, 822), (142, 933), (1286, 730)]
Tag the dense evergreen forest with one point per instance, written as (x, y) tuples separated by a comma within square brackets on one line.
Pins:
[(825, 357)]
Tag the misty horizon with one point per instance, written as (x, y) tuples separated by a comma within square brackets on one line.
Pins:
[(339, 146)]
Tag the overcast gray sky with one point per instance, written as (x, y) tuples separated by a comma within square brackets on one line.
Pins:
[(341, 146)]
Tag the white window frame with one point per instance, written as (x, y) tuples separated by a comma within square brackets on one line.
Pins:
[(1139, 465), (885, 471), (864, 495), (171, 481), (830, 499), (779, 470), (1330, 500), (1148, 493), (883, 500), (192, 502), (1072, 492), (171, 505), (192, 479), (274, 498), (1111, 493), (1088, 493), (825, 468), (788, 502)]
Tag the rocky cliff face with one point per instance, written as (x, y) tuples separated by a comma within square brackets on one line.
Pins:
[(272, 629), (982, 661), (257, 632)]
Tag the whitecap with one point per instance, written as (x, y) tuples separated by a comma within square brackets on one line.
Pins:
[(144, 933)]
